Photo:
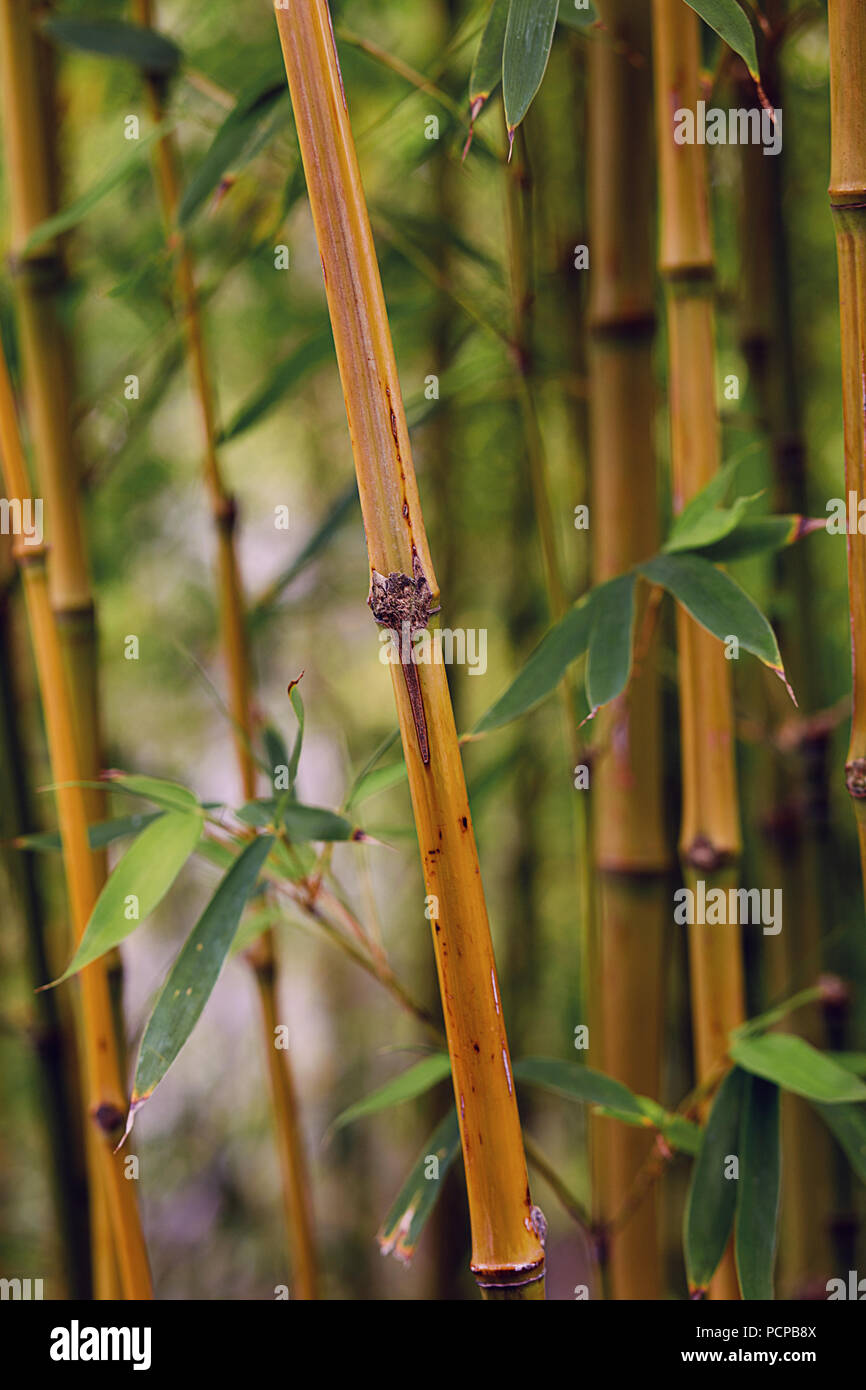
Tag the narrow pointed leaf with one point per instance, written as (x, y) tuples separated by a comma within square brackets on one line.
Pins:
[(847, 1124), (487, 67), (300, 822), (195, 972), (712, 1198), (764, 533), (793, 1064), (560, 646), (577, 1082), (137, 884), (276, 752), (708, 528), (75, 212), (731, 23), (100, 834), (676, 1130), (298, 707), (528, 37), (113, 38), (717, 603), (608, 663), (409, 1084), (758, 1188), (230, 141), (402, 1227), (169, 794), (280, 383)]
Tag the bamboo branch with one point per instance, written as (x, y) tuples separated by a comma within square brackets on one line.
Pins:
[(507, 1253)]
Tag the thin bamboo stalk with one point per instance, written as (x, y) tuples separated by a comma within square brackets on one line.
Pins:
[(29, 122), (710, 843), (631, 852), (235, 646), (105, 1093), (507, 1251), (848, 202)]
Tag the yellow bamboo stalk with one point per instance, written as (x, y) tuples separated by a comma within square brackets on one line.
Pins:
[(507, 1249), (631, 852), (848, 203), (710, 844), (29, 119), (105, 1094), (233, 637)]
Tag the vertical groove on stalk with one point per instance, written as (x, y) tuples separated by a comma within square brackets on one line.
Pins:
[(507, 1253), (710, 844), (235, 647), (631, 852)]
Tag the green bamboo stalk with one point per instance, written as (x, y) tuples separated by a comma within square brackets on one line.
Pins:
[(631, 852)]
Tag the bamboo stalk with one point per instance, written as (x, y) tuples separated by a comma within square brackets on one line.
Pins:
[(235, 647), (710, 843), (105, 1093), (507, 1252), (29, 122), (631, 853), (848, 203)]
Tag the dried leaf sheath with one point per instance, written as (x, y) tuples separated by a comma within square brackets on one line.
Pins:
[(507, 1255)]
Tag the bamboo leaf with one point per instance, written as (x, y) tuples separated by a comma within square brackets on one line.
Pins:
[(379, 780), (847, 1124), (793, 1064), (300, 822), (578, 1082), (402, 1227), (560, 646), (758, 1190), (151, 51), (487, 68), (608, 663), (712, 1198), (717, 603), (276, 752), (195, 972), (298, 707), (137, 885), (409, 1084), (676, 1130), (169, 794), (707, 527), (231, 140), (758, 534), (731, 23), (528, 37), (74, 213), (285, 376), (100, 834)]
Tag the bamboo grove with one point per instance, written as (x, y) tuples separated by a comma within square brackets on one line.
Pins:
[(514, 346)]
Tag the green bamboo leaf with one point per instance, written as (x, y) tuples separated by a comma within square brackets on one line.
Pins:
[(707, 528), (847, 1124), (712, 1198), (578, 14), (851, 1061), (100, 834), (137, 884), (298, 707), (380, 779), (487, 68), (114, 38), (677, 1131), (717, 603), (711, 495), (276, 752), (402, 1227), (732, 24), (301, 823), (409, 1084), (577, 1082), (74, 213), (528, 37), (195, 972), (558, 648), (758, 1190), (795, 1065), (608, 663), (764, 533), (169, 794), (286, 375), (231, 140), (341, 512)]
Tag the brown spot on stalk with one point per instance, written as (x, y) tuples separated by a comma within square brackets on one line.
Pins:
[(855, 778), (108, 1117), (703, 854)]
